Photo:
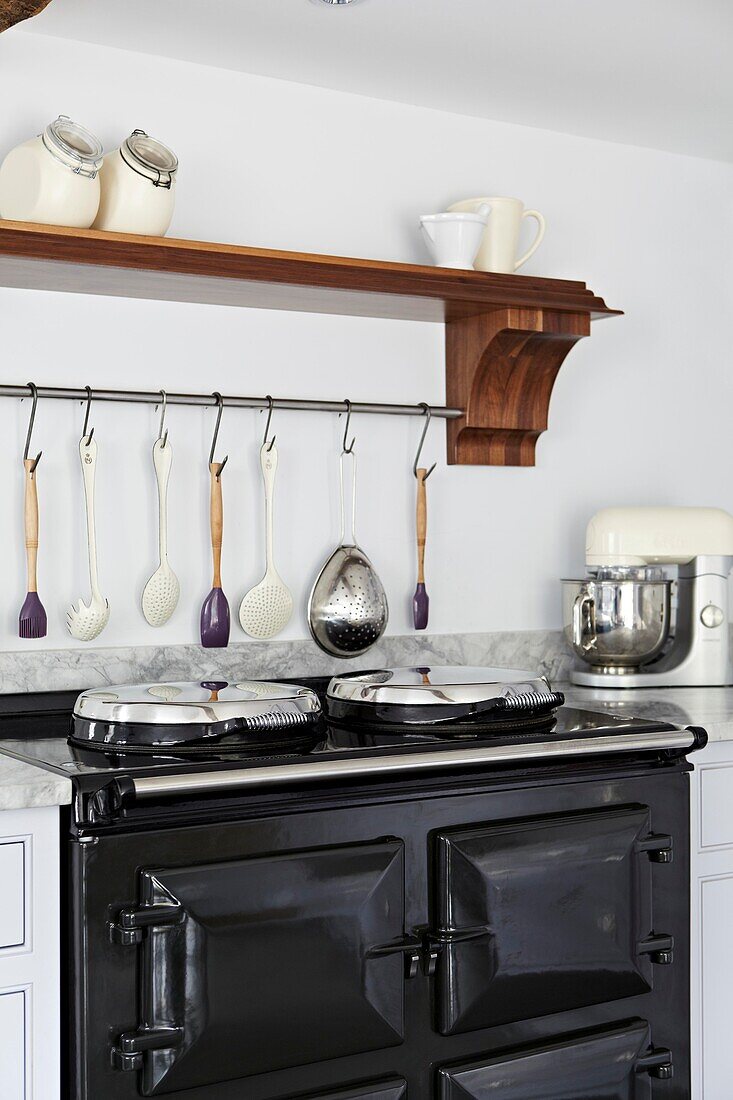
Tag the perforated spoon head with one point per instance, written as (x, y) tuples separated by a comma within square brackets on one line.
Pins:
[(160, 595), (266, 609)]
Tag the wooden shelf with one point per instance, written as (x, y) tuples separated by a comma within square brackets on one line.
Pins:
[(505, 333)]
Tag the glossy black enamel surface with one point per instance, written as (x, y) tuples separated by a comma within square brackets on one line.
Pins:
[(385, 1090), (312, 931), (296, 946), (548, 912), (608, 1064)]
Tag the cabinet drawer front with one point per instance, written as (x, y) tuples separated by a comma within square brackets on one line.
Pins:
[(599, 1065), (394, 1089), (12, 877), (716, 806), (272, 962), (12, 1045), (540, 915)]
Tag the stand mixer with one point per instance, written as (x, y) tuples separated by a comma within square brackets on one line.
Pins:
[(619, 619)]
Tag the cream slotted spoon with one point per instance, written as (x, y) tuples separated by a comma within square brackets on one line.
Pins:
[(90, 619), (266, 609), (162, 591)]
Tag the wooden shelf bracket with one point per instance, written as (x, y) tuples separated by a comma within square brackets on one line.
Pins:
[(501, 367)]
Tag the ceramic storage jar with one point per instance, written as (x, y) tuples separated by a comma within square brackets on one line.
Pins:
[(138, 187), (53, 178)]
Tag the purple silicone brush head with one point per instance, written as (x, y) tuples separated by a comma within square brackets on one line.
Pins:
[(32, 620)]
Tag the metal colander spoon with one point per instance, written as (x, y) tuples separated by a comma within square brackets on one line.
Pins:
[(347, 609)]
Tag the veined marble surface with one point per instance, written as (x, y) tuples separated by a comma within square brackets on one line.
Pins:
[(69, 669), (24, 786), (711, 708)]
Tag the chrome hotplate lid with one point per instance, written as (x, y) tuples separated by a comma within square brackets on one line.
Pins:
[(440, 694), (177, 713), (435, 685)]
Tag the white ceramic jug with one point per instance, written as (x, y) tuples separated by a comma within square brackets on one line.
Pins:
[(53, 178), (498, 251), (453, 239)]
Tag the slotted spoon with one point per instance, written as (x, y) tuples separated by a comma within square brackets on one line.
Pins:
[(347, 609), (162, 591), (266, 608), (90, 620)]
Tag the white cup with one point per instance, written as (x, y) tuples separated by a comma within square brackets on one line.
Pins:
[(498, 251), (453, 239)]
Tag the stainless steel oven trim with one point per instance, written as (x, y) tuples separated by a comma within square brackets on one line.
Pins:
[(236, 779)]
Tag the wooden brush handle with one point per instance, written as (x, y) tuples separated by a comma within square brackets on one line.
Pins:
[(31, 524), (421, 517), (216, 516)]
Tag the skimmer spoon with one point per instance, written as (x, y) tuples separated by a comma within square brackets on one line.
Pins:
[(266, 608), (347, 609), (161, 593)]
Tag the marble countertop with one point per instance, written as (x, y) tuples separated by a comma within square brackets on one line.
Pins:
[(26, 786), (711, 708)]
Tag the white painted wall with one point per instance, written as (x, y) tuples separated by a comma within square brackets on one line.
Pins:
[(641, 412)]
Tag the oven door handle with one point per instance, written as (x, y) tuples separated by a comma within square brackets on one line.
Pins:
[(674, 741)]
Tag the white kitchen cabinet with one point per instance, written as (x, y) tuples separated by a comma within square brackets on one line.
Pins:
[(29, 954), (712, 920)]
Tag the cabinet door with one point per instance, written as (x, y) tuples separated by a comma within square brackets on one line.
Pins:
[(12, 877), (542, 915), (12, 1046), (609, 1064), (268, 963)]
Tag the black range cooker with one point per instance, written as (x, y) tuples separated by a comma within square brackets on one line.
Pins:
[(422, 883)]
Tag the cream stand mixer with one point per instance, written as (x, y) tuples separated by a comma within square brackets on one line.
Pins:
[(619, 619)]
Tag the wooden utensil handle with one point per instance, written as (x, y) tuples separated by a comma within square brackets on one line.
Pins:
[(422, 523), (31, 524), (216, 516)]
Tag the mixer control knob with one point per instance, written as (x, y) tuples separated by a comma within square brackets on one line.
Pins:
[(711, 615)]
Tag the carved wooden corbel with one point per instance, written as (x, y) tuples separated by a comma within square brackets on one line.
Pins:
[(501, 367)]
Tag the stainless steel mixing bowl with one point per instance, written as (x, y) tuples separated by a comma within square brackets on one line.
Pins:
[(616, 625)]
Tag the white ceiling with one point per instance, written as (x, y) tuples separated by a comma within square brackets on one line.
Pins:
[(645, 72)]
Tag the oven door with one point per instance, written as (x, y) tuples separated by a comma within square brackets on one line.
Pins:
[(264, 963), (615, 1063), (543, 915)]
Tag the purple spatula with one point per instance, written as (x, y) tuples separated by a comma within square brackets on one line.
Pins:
[(421, 601), (215, 611), (32, 619)]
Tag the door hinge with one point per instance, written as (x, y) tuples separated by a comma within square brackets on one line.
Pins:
[(132, 1045), (658, 846), (130, 925), (657, 1063), (658, 948)]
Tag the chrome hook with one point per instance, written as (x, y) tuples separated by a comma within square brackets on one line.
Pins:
[(220, 403), (427, 413), (270, 407), (162, 419), (347, 448), (86, 418), (34, 394)]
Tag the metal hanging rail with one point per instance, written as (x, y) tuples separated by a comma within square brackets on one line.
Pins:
[(153, 397)]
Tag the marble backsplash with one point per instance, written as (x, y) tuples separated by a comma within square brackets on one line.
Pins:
[(67, 669)]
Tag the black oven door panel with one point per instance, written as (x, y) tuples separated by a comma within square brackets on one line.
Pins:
[(260, 964), (543, 915), (377, 1090), (616, 1063)]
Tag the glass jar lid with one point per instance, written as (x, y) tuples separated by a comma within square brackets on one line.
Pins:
[(149, 158), (74, 146)]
